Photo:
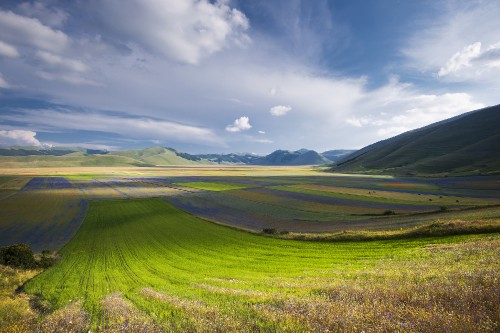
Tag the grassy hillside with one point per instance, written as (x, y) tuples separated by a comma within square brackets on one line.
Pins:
[(467, 144), (144, 265), (158, 156), (70, 160)]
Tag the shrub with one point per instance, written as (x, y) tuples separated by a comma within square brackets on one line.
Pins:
[(270, 231), (284, 232), (46, 261), (18, 255), (389, 212)]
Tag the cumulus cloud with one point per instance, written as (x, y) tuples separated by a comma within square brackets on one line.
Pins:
[(184, 31), (472, 61), (240, 124), (280, 110), (134, 127), (15, 29), (461, 59), (8, 50), (18, 138)]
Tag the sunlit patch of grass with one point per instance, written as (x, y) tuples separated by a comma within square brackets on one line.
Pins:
[(16, 315), (209, 186)]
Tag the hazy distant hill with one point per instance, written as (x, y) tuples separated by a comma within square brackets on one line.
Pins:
[(73, 157), (286, 157), (230, 158), (466, 144), (336, 155), (56, 151)]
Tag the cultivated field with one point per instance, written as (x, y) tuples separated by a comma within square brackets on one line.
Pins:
[(399, 255)]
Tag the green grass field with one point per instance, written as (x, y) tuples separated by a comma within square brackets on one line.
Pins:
[(211, 186), (145, 264)]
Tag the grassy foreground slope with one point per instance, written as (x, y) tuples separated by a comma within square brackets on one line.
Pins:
[(465, 145), (143, 265)]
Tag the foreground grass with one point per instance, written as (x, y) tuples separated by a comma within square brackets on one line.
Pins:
[(143, 265)]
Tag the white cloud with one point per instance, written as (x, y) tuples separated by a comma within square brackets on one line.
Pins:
[(240, 124), (140, 128), (262, 132), (185, 31), (357, 122), (63, 63), (68, 78), (3, 83), (52, 16), (28, 31), (88, 145), (461, 59), (472, 62), (18, 138), (280, 110), (8, 50), (462, 25), (398, 107)]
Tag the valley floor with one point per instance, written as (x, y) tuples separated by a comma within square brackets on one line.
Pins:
[(140, 255)]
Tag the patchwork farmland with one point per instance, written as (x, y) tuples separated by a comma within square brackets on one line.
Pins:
[(252, 249)]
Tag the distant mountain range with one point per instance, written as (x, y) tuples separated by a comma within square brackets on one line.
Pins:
[(58, 157), (463, 145)]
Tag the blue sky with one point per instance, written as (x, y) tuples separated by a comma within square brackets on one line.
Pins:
[(240, 76)]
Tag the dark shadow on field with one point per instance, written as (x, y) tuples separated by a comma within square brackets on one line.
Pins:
[(223, 208), (345, 202)]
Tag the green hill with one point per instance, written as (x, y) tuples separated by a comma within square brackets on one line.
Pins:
[(464, 145), (161, 156), (69, 160)]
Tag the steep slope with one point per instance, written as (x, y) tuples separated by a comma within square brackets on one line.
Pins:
[(286, 157), (466, 144)]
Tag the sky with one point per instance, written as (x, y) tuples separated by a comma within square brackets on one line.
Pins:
[(240, 76)]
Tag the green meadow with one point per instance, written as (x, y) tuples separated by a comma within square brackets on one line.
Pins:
[(177, 272)]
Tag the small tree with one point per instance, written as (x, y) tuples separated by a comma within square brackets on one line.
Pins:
[(18, 255)]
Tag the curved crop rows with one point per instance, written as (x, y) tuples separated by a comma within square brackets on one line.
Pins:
[(145, 263)]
